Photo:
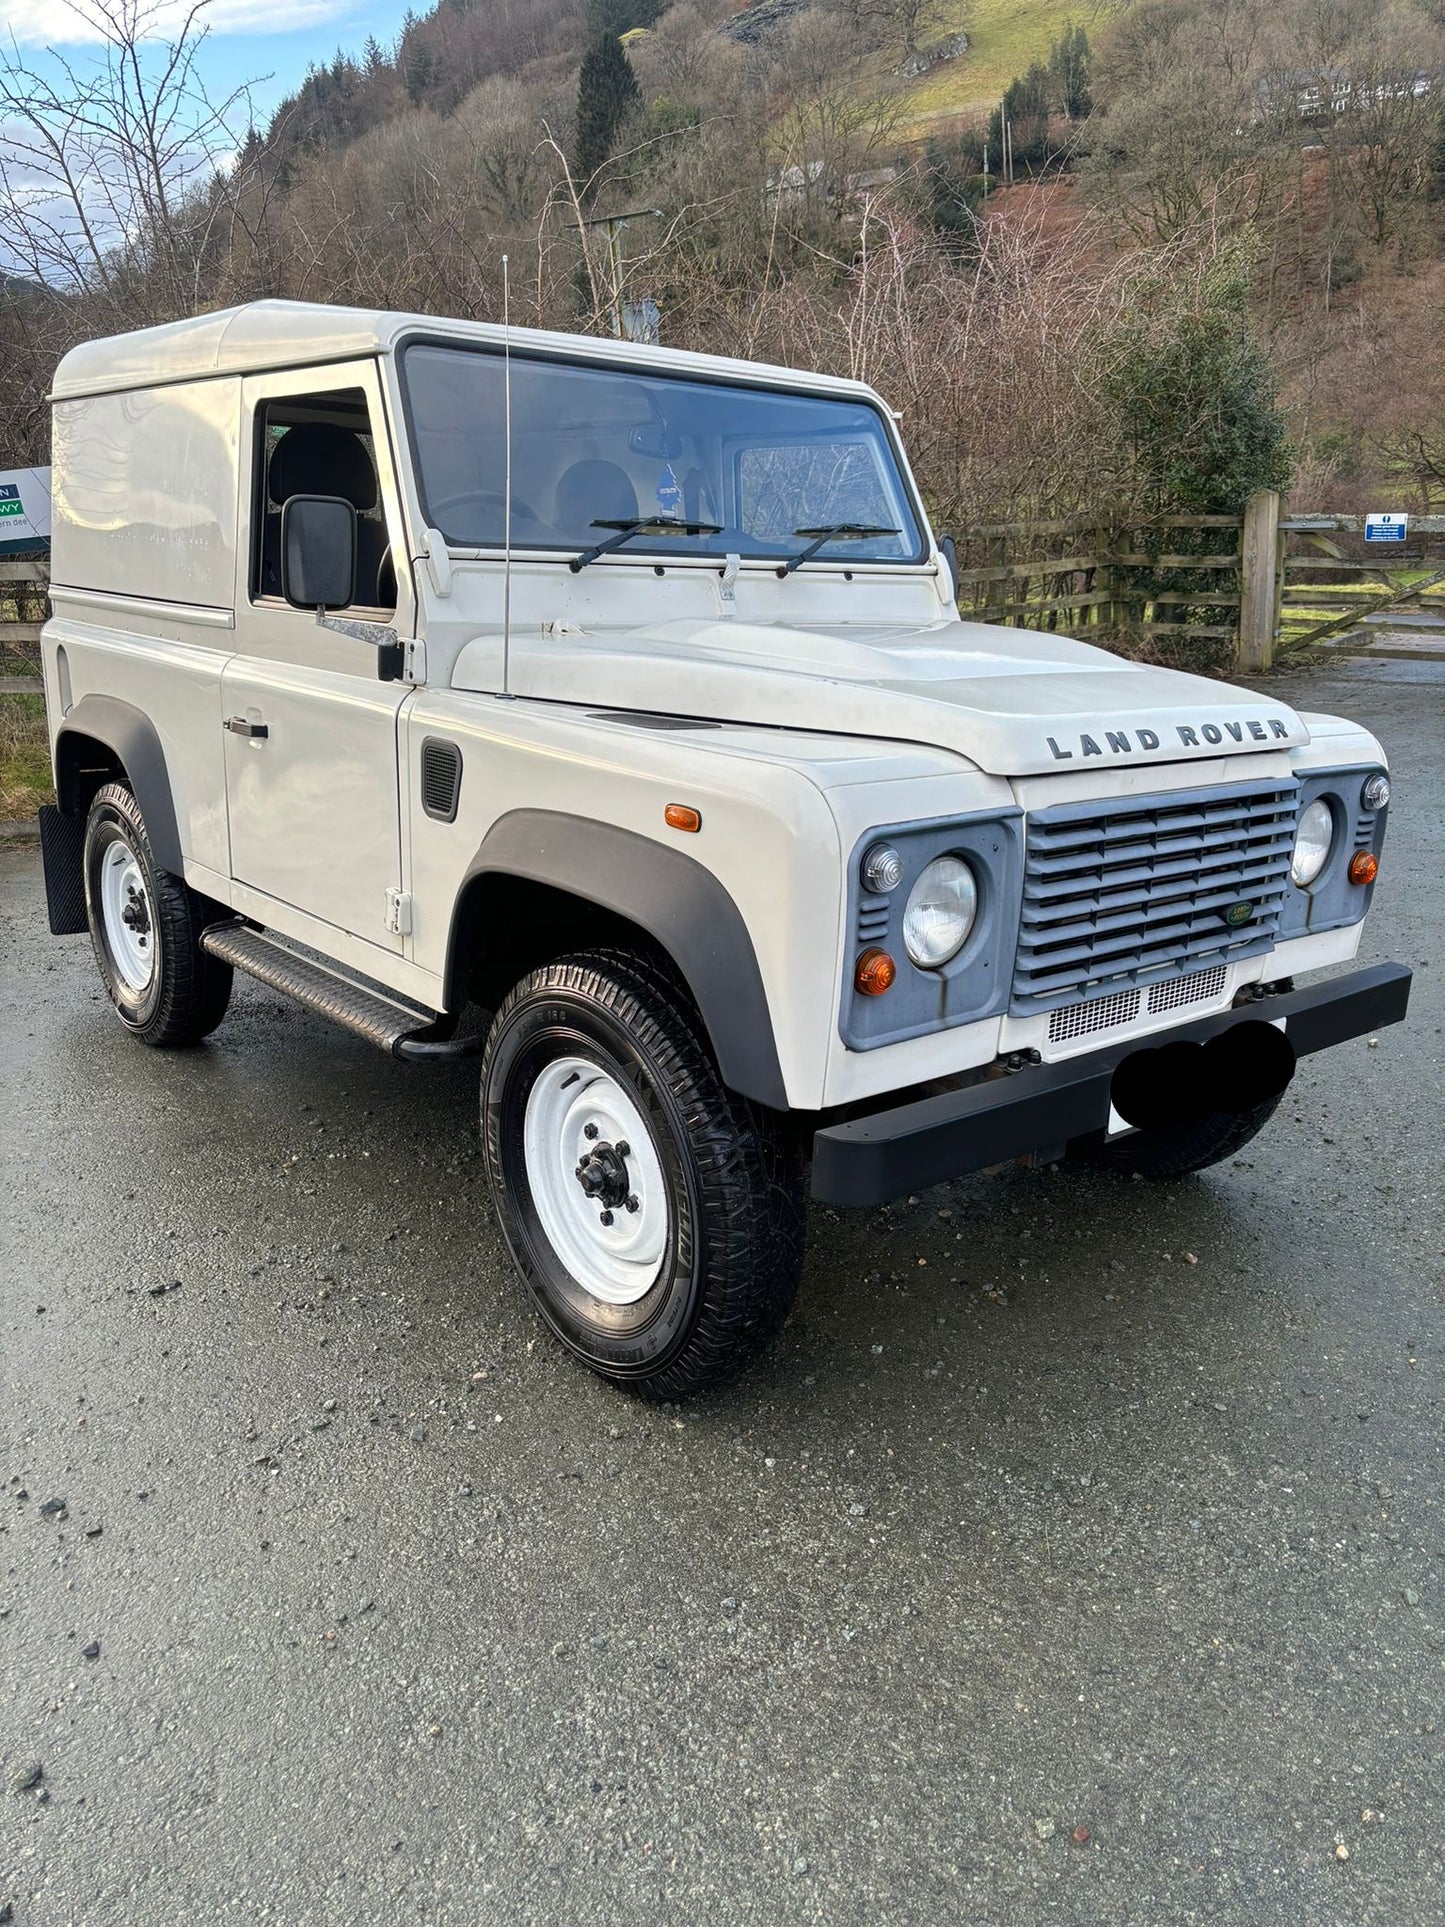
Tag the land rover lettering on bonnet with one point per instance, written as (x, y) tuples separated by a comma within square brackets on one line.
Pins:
[(1190, 736), (604, 712)]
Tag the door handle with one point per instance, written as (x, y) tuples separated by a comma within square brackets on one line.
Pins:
[(239, 726)]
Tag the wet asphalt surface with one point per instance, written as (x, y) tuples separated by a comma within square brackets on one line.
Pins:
[(1078, 1555)]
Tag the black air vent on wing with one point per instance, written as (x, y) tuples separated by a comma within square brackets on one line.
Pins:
[(441, 779)]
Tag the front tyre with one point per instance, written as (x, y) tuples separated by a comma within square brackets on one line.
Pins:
[(655, 1216), (145, 926)]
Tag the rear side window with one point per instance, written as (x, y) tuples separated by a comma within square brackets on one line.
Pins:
[(320, 444)]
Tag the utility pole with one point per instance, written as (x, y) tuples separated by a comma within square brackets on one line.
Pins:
[(614, 224)]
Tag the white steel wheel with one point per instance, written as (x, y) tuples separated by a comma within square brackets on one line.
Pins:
[(596, 1180), (125, 909)]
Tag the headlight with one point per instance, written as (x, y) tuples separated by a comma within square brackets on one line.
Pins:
[(1376, 793), (941, 909), (1312, 842)]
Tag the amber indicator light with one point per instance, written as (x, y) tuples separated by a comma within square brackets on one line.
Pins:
[(1364, 867), (682, 816), (874, 973)]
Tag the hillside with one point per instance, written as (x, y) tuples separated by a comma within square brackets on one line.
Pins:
[(1281, 176), (1005, 37)]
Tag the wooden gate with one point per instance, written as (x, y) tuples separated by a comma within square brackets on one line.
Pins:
[(1331, 580)]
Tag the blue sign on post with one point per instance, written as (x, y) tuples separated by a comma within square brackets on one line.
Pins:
[(1386, 528)]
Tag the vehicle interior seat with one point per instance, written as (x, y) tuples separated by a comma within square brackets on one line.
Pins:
[(323, 458), (593, 491)]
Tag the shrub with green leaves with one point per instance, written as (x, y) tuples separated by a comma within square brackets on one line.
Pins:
[(1195, 392)]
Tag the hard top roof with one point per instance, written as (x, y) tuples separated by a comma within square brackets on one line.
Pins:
[(271, 335)]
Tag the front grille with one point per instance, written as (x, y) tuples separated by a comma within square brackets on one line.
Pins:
[(1135, 891), (1082, 1020), (1201, 988)]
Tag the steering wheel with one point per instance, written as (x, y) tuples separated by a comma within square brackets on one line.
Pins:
[(384, 569), (480, 498)]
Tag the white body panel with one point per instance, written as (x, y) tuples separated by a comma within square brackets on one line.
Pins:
[(826, 703), (143, 495)]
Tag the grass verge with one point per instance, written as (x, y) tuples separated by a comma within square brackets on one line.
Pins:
[(24, 757)]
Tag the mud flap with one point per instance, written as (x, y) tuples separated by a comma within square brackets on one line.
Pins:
[(62, 839)]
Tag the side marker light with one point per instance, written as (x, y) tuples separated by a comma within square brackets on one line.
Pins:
[(874, 973)]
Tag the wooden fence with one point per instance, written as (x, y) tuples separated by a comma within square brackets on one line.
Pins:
[(1240, 585), (1177, 576), (24, 606)]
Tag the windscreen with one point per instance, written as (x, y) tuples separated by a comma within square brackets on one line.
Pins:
[(593, 445)]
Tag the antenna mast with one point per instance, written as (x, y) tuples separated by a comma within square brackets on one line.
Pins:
[(506, 478)]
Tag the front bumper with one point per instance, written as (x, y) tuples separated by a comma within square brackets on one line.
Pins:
[(869, 1160)]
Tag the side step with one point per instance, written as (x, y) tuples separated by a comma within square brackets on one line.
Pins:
[(382, 1020)]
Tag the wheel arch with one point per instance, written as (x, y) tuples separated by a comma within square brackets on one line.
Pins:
[(539, 867), (103, 739)]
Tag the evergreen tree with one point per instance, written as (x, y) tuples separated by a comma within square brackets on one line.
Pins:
[(1069, 73), (607, 93), (1025, 107), (418, 67)]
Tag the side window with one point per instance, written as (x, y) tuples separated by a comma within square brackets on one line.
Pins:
[(320, 445)]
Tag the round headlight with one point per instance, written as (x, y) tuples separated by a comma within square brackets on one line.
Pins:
[(882, 869), (1376, 793), (1312, 842), (941, 909)]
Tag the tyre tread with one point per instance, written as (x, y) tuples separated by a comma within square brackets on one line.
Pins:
[(195, 987), (750, 1185)]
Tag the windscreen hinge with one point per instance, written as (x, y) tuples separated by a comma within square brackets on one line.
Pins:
[(437, 556)]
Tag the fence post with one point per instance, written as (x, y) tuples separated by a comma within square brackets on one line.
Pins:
[(1259, 569)]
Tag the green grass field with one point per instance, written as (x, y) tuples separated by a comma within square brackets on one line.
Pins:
[(1005, 36), (24, 757)]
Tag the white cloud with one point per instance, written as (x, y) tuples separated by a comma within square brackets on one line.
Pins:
[(52, 23)]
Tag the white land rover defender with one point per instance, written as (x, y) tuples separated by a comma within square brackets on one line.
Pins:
[(606, 710)]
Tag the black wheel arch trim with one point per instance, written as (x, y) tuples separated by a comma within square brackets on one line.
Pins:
[(673, 897), (132, 737)]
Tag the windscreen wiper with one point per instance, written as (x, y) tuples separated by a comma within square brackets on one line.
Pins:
[(835, 532), (640, 525)]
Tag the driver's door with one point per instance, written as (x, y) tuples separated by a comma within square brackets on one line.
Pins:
[(311, 734)]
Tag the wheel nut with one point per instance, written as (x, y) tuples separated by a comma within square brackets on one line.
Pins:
[(606, 1217), (624, 1150), (589, 1130), (632, 1204)]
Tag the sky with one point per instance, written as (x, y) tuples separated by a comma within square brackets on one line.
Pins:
[(272, 42)]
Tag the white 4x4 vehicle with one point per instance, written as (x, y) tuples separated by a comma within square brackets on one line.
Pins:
[(620, 695)]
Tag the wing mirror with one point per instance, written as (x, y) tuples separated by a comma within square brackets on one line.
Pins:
[(948, 549), (318, 551)]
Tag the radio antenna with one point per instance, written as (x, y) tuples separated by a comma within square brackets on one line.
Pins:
[(506, 478)]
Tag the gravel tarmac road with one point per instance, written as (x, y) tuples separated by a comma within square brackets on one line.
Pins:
[(1076, 1556)]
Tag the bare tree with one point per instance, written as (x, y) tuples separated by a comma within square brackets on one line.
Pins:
[(119, 172)]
